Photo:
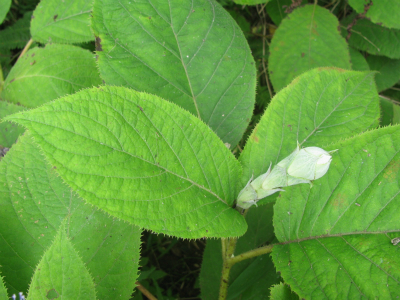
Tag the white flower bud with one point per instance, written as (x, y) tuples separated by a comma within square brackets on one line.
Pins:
[(310, 163), (302, 166)]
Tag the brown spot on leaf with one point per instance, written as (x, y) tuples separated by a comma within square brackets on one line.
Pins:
[(340, 201), (33, 62), (254, 135), (12, 80), (302, 54), (391, 171), (55, 17), (98, 44)]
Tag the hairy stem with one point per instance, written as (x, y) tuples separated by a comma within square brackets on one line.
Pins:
[(144, 291), (227, 253)]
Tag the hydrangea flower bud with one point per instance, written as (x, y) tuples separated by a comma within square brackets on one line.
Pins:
[(301, 166)]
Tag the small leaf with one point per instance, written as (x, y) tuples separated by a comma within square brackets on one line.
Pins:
[(386, 13), (4, 8), (141, 159), (251, 2), (388, 71), (372, 38), (337, 235), (9, 131), (317, 108), (34, 201), (16, 35), (189, 52), (307, 39), (278, 9), (282, 291), (42, 75), (61, 273), (358, 62), (62, 22)]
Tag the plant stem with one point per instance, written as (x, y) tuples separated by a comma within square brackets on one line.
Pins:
[(251, 254), (228, 248), (26, 48), (145, 291), (226, 268)]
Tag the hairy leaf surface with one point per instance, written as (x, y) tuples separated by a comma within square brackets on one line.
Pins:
[(309, 38), (189, 52), (63, 22), (9, 132), (319, 107), (3, 290), (34, 201), (385, 12), (372, 38), (282, 292), (336, 236), (42, 75), (141, 159), (61, 273)]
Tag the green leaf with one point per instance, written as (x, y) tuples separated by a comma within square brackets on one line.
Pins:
[(388, 71), (372, 38), (278, 9), (9, 132), (390, 106), (4, 8), (3, 290), (306, 40), (358, 61), (141, 159), (318, 108), (282, 292), (16, 35), (336, 237), (189, 52), (61, 273), (250, 278), (251, 2), (385, 12), (34, 201), (44, 74), (387, 111), (63, 22)]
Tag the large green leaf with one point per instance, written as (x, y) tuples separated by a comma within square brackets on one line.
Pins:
[(62, 22), (336, 237), (318, 108), (141, 159), (4, 8), (251, 278), (34, 201), (61, 273), (385, 12), (372, 38), (42, 75), (17, 35), (189, 52), (9, 132), (388, 71), (307, 39)]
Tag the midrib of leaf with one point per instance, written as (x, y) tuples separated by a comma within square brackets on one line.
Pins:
[(310, 35), (330, 113), (136, 157), (180, 54)]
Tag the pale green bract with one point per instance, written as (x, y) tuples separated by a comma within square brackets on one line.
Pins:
[(141, 159)]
